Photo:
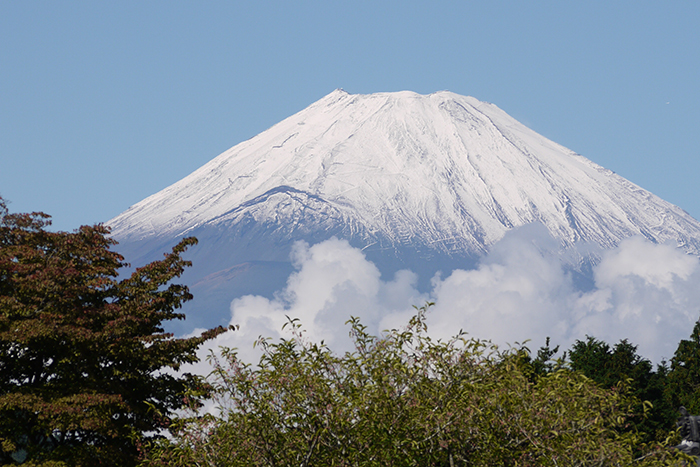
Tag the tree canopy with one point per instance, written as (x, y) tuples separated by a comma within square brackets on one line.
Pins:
[(684, 375), (403, 399), (88, 376), (84, 360), (608, 366)]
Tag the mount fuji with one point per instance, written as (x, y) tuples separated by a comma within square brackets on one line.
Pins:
[(424, 182)]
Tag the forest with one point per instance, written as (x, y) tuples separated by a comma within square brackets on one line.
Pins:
[(88, 376)]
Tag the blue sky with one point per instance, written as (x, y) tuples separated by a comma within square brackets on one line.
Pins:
[(105, 103)]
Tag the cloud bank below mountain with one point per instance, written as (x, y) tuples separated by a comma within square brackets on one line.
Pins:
[(644, 292)]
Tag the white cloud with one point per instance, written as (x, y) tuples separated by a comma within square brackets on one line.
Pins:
[(518, 292), (657, 265), (647, 293)]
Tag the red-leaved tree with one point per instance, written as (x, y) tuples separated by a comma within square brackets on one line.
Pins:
[(82, 353)]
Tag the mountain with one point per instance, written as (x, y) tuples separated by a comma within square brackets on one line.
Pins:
[(426, 182)]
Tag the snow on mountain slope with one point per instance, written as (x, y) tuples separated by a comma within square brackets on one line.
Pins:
[(441, 170), (425, 182)]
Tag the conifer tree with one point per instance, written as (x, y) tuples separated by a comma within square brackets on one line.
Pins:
[(84, 359), (683, 387), (609, 366)]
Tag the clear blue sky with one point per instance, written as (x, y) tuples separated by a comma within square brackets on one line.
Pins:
[(105, 103)]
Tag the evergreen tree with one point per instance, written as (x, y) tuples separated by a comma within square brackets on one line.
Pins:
[(544, 362), (684, 375), (83, 354), (621, 364)]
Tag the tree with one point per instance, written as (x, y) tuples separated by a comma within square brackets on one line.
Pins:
[(622, 365), (684, 375), (85, 365), (403, 400), (544, 362)]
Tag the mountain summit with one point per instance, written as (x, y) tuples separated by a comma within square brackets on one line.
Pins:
[(405, 177)]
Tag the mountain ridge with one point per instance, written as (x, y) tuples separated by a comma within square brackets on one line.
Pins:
[(425, 182), (479, 191)]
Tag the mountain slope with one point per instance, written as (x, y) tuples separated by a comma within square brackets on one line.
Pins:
[(405, 177)]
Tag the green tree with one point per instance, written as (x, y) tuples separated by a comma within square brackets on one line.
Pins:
[(403, 399), (621, 364), (683, 387), (83, 355), (544, 362)]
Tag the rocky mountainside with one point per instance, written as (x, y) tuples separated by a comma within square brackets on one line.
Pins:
[(426, 182)]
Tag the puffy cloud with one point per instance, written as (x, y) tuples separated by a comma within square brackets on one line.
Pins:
[(647, 293), (521, 290), (643, 292), (333, 281)]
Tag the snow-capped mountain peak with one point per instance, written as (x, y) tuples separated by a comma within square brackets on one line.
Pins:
[(442, 171)]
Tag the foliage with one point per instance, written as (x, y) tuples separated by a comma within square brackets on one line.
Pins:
[(621, 364), (605, 365), (683, 387), (82, 354), (544, 362), (403, 400)]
